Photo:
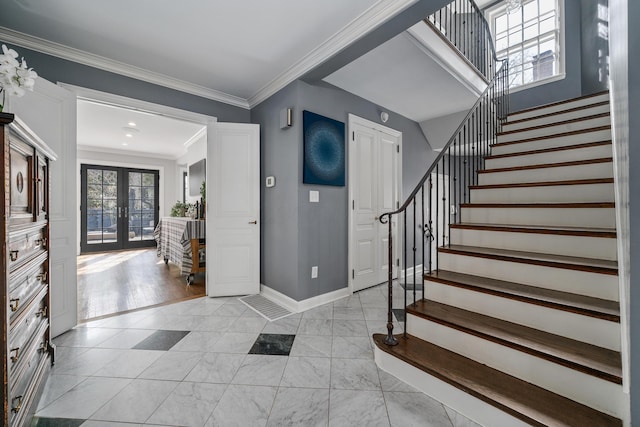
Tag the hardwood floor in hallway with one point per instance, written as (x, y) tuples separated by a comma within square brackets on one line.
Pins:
[(116, 282)]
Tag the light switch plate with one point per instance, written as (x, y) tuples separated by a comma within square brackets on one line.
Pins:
[(271, 181), (314, 196), (314, 272)]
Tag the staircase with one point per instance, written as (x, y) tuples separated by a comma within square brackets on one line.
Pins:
[(520, 323)]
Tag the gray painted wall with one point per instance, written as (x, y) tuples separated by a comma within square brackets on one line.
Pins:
[(594, 46), (298, 234), (60, 70)]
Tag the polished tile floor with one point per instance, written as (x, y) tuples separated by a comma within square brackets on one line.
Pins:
[(215, 362)]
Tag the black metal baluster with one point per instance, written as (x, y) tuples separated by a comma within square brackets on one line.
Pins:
[(430, 225), (423, 237), (415, 272), (390, 339), (436, 235)]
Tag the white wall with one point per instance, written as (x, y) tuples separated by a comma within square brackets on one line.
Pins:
[(195, 152)]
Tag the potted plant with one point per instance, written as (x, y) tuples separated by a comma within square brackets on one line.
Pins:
[(180, 209)]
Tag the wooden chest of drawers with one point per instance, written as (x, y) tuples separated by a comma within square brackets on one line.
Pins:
[(24, 289)]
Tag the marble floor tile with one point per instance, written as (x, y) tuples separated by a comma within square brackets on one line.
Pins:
[(56, 386), (399, 314), (216, 368), (288, 325), (172, 366), (259, 369), (375, 313), (352, 347), (127, 338), (415, 410), (354, 374), (315, 327), (215, 324), (308, 372), (161, 340), (357, 408), (189, 404), (129, 364), (55, 422), (92, 423), (199, 342), (459, 420), (350, 328), (348, 313), (242, 406), (390, 383), (85, 337), (231, 310), (136, 402), (273, 344), (350, 301), (320, 312), (84, 399), (248, 324), (86, 363), (300, 407), (235, 342), (311, 346)]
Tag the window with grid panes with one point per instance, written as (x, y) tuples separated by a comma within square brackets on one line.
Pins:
[(531, 38)]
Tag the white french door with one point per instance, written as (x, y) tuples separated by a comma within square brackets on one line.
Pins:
[(233, 209), (374, 183), (51, 112)]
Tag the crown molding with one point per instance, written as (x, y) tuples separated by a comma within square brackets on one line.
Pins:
[(361, 25), (100, 62), (131, 153), (196, 136)]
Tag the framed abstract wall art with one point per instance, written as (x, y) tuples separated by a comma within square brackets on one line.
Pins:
[(324, 150)]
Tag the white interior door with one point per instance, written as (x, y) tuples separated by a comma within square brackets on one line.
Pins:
[(51, 112), (233, 209), (374, 186)]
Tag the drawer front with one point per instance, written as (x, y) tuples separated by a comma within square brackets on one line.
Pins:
[(23, 390), (22, 336), (24, 246), (21, 182), (25, 285)]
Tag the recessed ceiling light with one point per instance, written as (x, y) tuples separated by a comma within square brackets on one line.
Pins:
[(128, 135), (132, 124), (125, 144)]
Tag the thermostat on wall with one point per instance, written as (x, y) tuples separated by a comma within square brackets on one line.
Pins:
[(271, 181)]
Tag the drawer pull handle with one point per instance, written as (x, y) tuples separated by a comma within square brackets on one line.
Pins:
[(44, 347), (15, 357), (41, 242), (16, 409), (42, 276), (42, 312), (14, 303), (13, 255)]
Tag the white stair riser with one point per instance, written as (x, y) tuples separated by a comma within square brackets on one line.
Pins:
[(602, 395), (575, 326), (560, 141), (552, 216), (558, 173), (558, 117), (578, 246), (583, 193), (588, 153), (471, 407), (555, 129), (596, 285), (560, 107)]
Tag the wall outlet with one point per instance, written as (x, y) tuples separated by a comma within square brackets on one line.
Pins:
[(314, 196), (314, 272)]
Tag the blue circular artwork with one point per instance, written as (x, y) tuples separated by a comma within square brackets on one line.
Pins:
[(324, 154)]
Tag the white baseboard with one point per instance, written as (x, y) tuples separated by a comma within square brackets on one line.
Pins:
[(306, 304), (408, 273)]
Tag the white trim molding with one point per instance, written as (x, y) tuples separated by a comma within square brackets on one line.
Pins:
[(306, 304), (81, 57)]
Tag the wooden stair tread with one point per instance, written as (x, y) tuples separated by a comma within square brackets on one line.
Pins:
[(548, 260), (587, 358), (549, 150), (576, 205), (522, 400), (549, 165), (554, 135), (545, 183), (569, 110), (540, 229), (561, 123), (574, 303), (553, 104)]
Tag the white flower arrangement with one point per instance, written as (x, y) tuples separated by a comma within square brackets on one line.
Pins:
[(15, 77)]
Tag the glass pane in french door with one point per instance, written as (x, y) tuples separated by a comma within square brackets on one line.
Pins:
[(102, 206), (142, 205)]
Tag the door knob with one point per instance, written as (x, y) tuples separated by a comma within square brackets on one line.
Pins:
[(255, 221)]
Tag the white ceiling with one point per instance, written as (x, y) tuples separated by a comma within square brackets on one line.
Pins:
[(104, 127)]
